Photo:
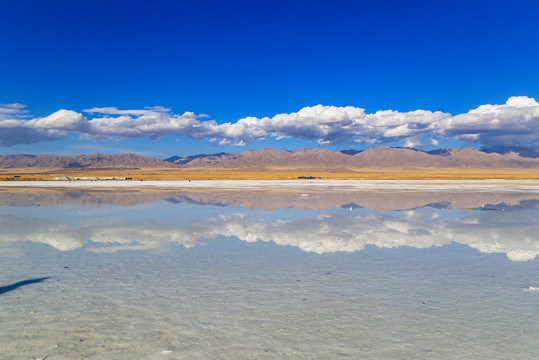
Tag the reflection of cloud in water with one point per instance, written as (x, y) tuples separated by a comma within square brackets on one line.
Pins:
[(122, 235), (496, 232), (512, 233)]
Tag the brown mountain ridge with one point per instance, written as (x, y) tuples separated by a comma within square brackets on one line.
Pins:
[(95, 161), (376, 157)]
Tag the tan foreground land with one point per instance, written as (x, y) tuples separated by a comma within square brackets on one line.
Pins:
[(268, 174)]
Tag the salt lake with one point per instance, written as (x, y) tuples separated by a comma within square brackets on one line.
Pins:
[(252, 270)]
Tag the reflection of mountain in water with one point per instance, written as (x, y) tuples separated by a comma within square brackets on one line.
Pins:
[(271, 200), (513, 233), (93, 197)]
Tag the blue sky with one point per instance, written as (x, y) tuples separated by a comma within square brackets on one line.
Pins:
[(166, 78)]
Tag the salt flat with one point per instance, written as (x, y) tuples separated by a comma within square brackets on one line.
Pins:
[(334, 269), (341, 185)]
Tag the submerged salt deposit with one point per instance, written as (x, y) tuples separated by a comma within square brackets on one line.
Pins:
[(198, 275)]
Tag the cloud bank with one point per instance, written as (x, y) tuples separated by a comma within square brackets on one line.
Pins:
[(515, 123)]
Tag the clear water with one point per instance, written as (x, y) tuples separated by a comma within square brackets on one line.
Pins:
[(268, 275)]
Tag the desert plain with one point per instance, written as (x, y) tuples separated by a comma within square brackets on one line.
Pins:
[(269, 173)]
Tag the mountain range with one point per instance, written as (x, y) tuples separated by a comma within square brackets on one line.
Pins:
[(376, 157), (95, 161)]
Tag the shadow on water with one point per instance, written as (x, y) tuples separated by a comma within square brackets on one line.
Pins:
[(8, 288)]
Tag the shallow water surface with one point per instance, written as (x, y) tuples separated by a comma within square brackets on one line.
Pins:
[(296, 274)]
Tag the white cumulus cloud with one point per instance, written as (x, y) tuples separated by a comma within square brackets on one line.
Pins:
[(60, 120), (515, 123)]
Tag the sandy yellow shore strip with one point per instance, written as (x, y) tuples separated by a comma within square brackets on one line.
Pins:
[(31, 174)]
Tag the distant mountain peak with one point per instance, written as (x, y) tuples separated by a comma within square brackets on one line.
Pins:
[(520, 151)]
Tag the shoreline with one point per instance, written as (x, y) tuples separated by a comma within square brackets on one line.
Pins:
[(331, 185)]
